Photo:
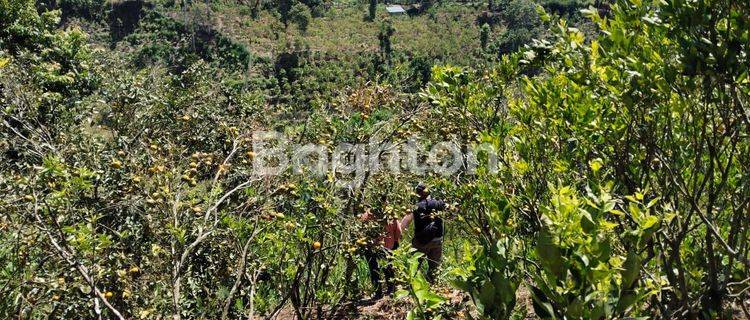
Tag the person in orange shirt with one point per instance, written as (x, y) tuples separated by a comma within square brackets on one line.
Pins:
[(384, 235)]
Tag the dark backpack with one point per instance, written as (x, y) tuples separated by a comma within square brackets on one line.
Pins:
[(428, 226)]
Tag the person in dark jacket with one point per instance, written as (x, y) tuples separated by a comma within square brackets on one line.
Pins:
[(428, 229)]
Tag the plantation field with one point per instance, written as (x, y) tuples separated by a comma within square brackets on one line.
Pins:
[(344, 29), (322, 159)]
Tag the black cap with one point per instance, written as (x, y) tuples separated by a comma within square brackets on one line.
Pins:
[(420, 188)]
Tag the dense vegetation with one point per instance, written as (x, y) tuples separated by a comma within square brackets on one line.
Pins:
[(621, 186)]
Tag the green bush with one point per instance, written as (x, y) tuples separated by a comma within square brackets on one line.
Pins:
[(522, 26), (91, 9), (300, 14)]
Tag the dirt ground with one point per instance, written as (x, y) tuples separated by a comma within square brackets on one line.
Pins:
[(389, 308)]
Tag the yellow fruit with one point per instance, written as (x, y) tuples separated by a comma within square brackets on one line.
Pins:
[(316, 245), (251, 155), (185, 117), (134, 269), (108, 294), (197, 209), (136, 179), (279, 215), (193, 165), (55, 298), (28, 197), (116, 164)]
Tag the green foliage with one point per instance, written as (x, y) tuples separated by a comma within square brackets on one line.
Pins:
[(91, 9), (428, 304), (567, 8), (163, 39), (585, 274), (618, 186), (484, 35), (522, 25), (372, 10), (300, 15), (491, 280), (611, 116), (57, 60), (386, 46), (284, 8)]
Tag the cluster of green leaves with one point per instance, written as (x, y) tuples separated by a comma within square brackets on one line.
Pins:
[(490, 279), (648, 119), (586, 272), (428, 303), (163, 39)]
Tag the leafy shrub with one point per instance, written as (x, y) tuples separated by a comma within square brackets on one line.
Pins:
[(643, 241), (300, 14), (585, 274), (91, 9), (428, 304), (523, 25)]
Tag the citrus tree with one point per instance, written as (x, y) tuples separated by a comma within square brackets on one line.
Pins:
[(626, 159)]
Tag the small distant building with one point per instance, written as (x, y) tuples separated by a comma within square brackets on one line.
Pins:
[(395, 9)]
